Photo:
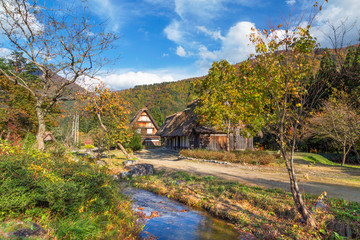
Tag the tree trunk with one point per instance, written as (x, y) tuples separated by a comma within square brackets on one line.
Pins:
[(344, 156), (294, 187), (123, 150), (41, 128), (356, 154), (235, 140), (8, 134), (228, 138), (117, 142), (345, 153)]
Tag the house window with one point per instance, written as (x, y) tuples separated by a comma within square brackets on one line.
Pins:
[(144, 118), (149, 131), (149, 124), (138, 131)]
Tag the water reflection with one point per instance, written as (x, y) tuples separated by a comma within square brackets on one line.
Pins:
[(177, 221)]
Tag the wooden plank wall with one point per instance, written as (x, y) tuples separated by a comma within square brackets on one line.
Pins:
[(241, 142)]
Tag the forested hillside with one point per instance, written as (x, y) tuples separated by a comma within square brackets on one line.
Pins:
[(161, 98)]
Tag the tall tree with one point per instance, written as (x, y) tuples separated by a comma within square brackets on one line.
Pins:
[(56, 42), (217, 98), (108, 107), (350, 74), (17, 113), (157, 115), (283, 72)]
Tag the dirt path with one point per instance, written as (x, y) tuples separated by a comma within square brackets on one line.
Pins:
[(336, 181)]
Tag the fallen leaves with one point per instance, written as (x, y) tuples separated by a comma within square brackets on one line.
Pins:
[(153, 214)]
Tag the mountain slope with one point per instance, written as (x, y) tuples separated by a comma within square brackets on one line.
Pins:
[(168, 97)]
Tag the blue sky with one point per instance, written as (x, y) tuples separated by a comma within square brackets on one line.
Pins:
[(169, 40)]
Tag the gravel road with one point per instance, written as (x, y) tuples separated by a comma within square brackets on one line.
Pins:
[(336, 181)]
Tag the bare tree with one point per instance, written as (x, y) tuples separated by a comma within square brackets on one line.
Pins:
[(58, 42), (337, 36), (339, 121)]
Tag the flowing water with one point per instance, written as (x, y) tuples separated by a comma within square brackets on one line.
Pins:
[(173, 220)]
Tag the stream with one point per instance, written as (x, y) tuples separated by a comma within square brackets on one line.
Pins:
[(168, 219)]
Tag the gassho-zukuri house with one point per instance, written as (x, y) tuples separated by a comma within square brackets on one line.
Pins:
[(145, 125), (182, 130)]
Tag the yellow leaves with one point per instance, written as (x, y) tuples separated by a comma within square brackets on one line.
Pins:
[(298, 105)]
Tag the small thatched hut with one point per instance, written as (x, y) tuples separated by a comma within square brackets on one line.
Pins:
[(182, 130), (146, 126), (48, 136)]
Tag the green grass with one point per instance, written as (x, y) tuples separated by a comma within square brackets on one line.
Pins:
[(318, 159)]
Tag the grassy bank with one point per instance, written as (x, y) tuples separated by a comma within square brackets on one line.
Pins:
[(267, 213), (314, 158), (69, 199), (254, 157)]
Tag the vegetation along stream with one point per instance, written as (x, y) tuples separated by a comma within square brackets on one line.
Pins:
[(168, 219)]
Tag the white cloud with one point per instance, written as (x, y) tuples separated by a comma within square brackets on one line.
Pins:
[(180, 51), (216, 35), (290, 2), (4, 52), (124, 79), (199, 10), (16, 17), (130, 79), (194, 19), (335, 12), (173, 32), (235, 46), (107, 10), (191, 13)]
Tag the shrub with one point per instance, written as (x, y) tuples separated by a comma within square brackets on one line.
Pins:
[(89, 146), (209, 155), (135, 143), (255, 157), (29, 141), (76, 200), (10, 148)]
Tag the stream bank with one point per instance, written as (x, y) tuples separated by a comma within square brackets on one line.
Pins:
[(167, 219), (265, 213)]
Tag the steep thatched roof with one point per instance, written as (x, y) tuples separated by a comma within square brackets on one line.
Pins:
[(145, 109), (183, 123)]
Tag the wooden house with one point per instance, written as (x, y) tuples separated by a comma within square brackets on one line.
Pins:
[(48, 136), (145, 125), (182, 130)]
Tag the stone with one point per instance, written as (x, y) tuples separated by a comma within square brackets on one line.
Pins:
[(142, 169), (124, 175), (130, 163), (115, 177), (319, 206), (101, 163), (36, 230), (138, 170)]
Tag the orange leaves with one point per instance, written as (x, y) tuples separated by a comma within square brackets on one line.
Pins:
[(108, 107)]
